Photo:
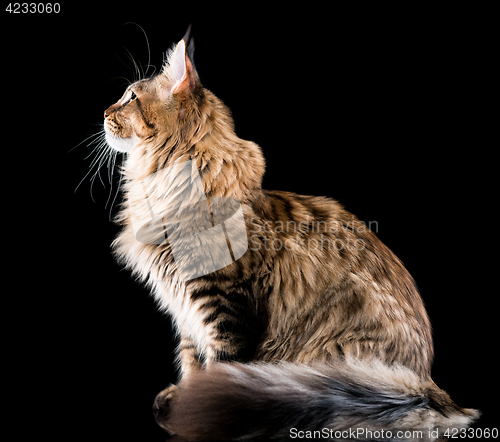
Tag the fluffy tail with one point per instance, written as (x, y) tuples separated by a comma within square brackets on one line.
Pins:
[(349, 400)]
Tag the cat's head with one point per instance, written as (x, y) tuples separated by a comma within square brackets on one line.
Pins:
[(172, 118), (162, 107)]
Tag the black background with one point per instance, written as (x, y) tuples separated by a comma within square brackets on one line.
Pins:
[(386, 111)]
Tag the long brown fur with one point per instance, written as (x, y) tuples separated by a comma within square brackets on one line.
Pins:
[(316, 305)]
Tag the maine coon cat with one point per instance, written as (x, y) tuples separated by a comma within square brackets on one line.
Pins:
[(292, 315)]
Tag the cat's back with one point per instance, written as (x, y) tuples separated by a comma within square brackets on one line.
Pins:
[(334, 288)]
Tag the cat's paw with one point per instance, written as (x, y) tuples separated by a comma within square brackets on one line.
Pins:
[(161, 406)]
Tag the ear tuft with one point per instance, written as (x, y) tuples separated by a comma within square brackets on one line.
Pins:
[(178, 68), (189, 41)]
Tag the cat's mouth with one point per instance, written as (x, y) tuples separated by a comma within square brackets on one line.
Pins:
[(118, 143)]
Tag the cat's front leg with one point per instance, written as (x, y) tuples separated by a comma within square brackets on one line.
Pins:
[(233, 331), (189, 356), (229, 330)]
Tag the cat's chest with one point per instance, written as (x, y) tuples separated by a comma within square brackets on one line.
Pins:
[(170, 202), (168, 215)]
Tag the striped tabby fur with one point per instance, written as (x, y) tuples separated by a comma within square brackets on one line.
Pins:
[(318, 325)]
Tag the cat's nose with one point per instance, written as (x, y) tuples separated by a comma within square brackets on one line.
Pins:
[(106, 114)]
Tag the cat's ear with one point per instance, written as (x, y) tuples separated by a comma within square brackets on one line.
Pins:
[(179, 69)]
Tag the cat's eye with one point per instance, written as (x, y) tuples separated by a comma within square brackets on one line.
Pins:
[(132, 97)]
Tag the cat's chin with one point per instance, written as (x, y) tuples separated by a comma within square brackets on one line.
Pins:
[(120, 144)]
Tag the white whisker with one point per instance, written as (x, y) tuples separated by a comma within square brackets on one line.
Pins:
[(144, 74), (92, 164), (116, 194), (102, 153), (137, 73), (102, 159), (81, 142), (110, 174)]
